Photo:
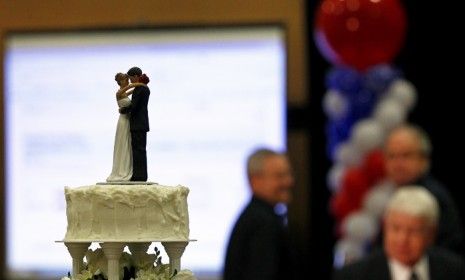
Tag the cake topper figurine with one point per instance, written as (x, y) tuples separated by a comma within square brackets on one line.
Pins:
[(129, 154)]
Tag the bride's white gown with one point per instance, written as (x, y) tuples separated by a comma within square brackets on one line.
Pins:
[(122, 153)]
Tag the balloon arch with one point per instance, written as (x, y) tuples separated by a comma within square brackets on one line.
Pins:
[(366, 97)]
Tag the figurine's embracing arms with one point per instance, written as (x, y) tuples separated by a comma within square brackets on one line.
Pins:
[(122, 93)]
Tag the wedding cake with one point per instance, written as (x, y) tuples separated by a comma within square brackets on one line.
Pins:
[(127, 212)]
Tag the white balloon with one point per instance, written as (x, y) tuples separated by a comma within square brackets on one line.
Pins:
[(404, 92), (347, 251), (334, 179), (347, 154), (335, 104), (367, 135), (389, 113), (360, 226), (377, 198)]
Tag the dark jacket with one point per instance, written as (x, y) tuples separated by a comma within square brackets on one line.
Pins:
[(443, 265), (258, 247), (450, 227)]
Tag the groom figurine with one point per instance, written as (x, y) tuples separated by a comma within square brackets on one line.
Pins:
[(139, 125)]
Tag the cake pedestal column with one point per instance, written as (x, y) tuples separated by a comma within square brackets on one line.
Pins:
[(77, 252), (113, 252), (138, 249), (175, 251)]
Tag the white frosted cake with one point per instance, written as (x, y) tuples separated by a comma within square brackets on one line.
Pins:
[(127, 212)]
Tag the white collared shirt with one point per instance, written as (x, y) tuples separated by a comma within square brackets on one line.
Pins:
[(402, 272)]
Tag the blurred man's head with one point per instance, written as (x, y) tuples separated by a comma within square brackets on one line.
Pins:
[(410, 222), (407, 151), (270, 176)]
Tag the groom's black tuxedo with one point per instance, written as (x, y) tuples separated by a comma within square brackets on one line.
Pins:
[(139, 120), (139, 126)]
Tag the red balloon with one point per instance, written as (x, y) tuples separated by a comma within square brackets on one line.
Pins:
[(373, 165), (360, 33), (356, 183)]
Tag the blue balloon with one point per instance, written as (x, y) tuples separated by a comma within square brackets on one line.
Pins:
[(379, 77), (362, 104), (346, 80), (337, 132)]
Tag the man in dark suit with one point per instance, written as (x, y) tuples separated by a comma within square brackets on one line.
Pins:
[(407, 156), (410, 224), (139, 125), (258, 247)]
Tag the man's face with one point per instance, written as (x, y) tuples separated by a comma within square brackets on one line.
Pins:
[(133, 79), (403, 158), (275, 182), (406, 237)]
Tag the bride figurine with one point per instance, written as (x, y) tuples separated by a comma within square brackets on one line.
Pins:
[(122, 153)]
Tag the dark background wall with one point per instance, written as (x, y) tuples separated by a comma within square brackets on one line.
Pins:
[(432, 59)]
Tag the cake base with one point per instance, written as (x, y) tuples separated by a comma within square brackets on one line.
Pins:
[(113, 251)]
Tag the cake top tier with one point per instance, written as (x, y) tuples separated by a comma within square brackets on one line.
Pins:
[(127, 212)]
